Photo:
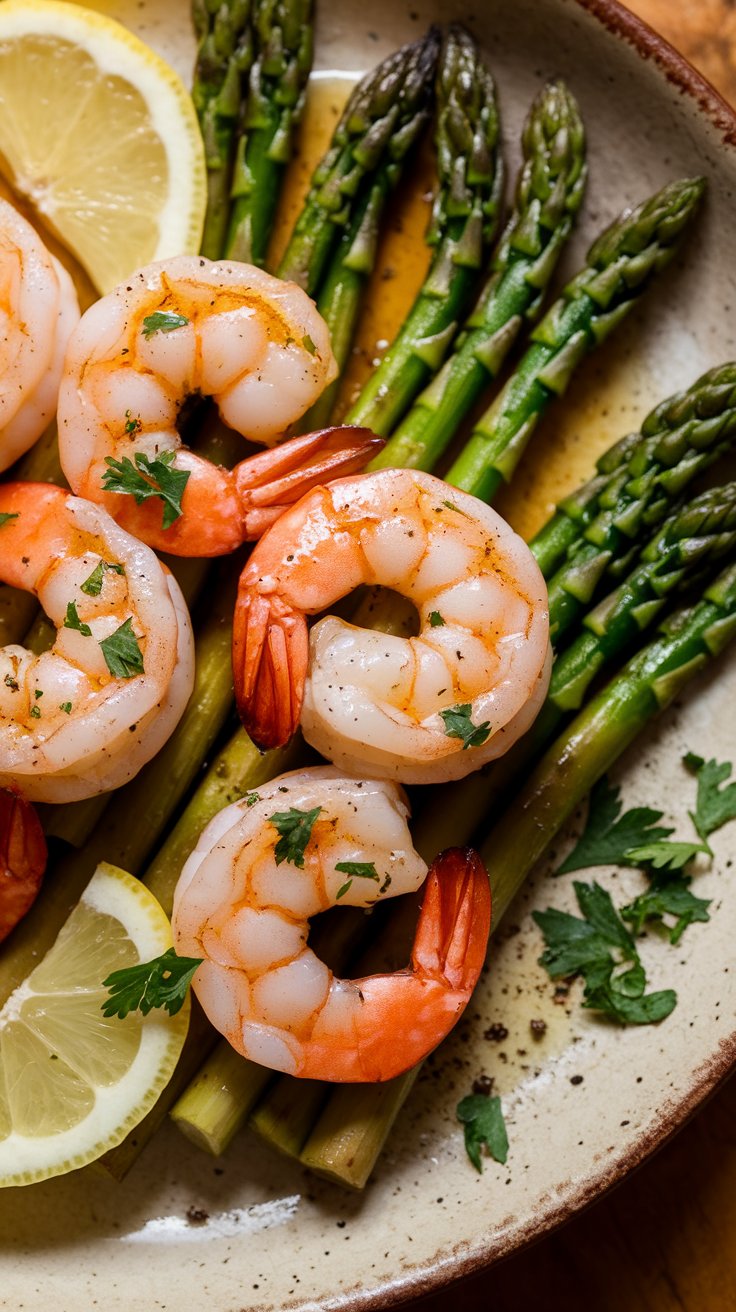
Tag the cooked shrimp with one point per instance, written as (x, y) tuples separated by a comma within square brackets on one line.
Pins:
[(38, 310), (307, 841), (423, 709), (84, 717), (182, 328), (22, 859)]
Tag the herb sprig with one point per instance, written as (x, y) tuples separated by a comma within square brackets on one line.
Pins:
[(295, 830), (148, 478), (162, 982)]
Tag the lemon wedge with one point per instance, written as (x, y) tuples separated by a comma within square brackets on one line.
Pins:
[(73, 1083), (100, 135)]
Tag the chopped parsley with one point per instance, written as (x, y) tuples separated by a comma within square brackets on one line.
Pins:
[(162, 321), (92, 586), (714, 805), (600, 948), (148, 478), (609, 836), (123, 656), (132, 425), (308, 344), (458, 724), (162, 982), (5, 515), (357, 870), (667, 896), (435, 619), (35, 712), (11, 683), (250, 799), (295, 830), (483, 1124), (450, 505), (66, 707), (72, 621)]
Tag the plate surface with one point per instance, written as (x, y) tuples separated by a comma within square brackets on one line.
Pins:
[(275, 1237)]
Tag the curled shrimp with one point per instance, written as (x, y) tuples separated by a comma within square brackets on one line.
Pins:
[(22, 858), (38, 310), (83, 717), (183, 328), (243, 904), (424, 709)]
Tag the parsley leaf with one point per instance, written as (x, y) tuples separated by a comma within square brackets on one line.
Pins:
[(665, 855), (93, 585), (295, 828), (35, 712), (483, 1123), (609, 837), (451, 506), (614, 985), (667, 896), (250, 799), (435, 619), (458, 724), (66, 707), (714, 805), (72, 621), (11, 683), (359, 870), (308, 344), (163, 321), (122, 654), (151, 478), (5, 515), (162, 982)]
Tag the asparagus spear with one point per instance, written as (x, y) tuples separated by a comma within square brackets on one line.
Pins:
[(224, 58), (621, 264), (677, 439), (356, 1120), (463, 222), (379, 115), (271, 112), (549, 192), (688, 544)]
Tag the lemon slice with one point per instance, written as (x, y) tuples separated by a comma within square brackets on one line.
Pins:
[(101, 136), (73, 1083)]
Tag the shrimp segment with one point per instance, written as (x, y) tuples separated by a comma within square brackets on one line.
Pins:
[(83, 717), (189, 327), (244, 908), (22, 859), (38, 310), (424, 709)]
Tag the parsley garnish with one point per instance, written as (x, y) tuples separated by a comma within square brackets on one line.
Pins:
[(5, 515), (65, 706), (609, 836), (295, 828), (35, 712), (451, 506), (483, 1123), (308, 344), (714, 805), (435, 619), (665, 856), (151, 478), (132, 425), (72, 621), (250, 799), (163, 321), (614, 985), (358, 870), (162, 982), (458, 724), (93, 585), (11, 683), (667, 896), (122, 654)]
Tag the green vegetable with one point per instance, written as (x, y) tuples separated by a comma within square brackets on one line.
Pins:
[(66, 707), (664, 855), (5, 515), (163, 321), (93, 585), (123, 656), (608, 835), (269, 116), (715, 806), (162, 982), (621, 264), (72, 621), (614, 985), (463, 222), (548, 195), (151, 478), (458, 724), (357, 869), (295, 828), (667, 896), (483, 1124), (435, 620)]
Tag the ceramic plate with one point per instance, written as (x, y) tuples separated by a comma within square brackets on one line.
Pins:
[(588, 1101)]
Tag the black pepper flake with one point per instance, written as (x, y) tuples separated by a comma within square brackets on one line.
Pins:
[(576, 1079), (197, 1215), (538, 1028), (496, 1032), (483, 1085)]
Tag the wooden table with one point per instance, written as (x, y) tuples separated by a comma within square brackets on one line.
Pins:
[(665, 1240)]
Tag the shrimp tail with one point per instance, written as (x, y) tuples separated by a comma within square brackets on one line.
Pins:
[(455, 921), (22, 858), (272, 480), (270, 656)]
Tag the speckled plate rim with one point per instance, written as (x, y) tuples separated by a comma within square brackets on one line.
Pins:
[(649, 45)]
